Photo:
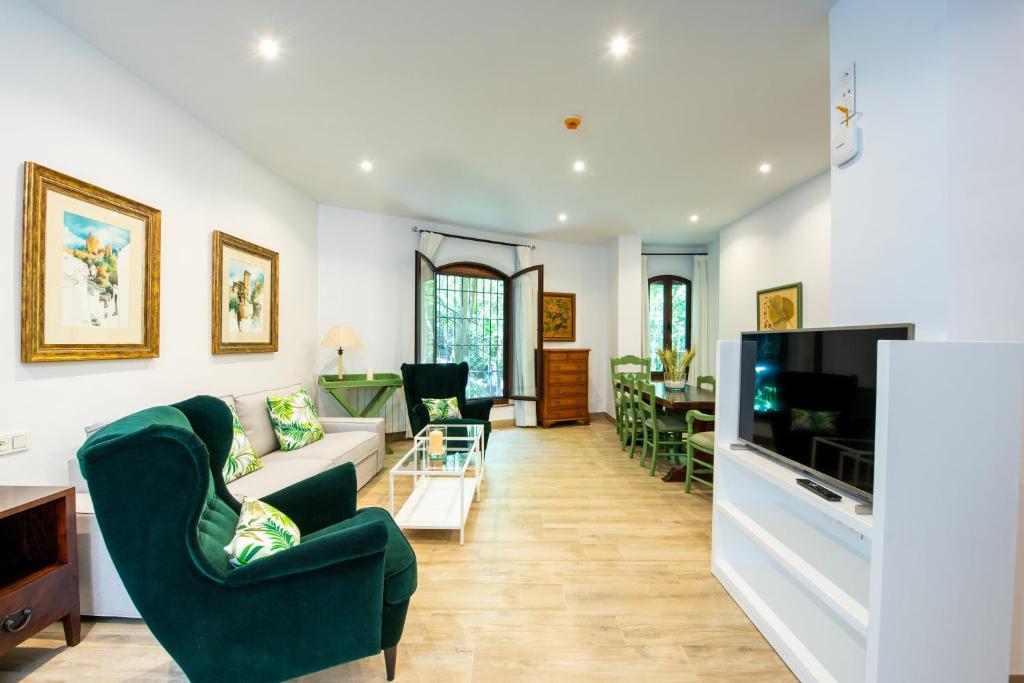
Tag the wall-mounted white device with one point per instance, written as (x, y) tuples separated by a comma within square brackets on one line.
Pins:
[(845, 145), (15, 442)]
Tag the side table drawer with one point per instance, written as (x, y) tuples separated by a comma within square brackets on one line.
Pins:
[(44, 595)]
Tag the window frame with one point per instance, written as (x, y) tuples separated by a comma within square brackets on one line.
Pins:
[(482, 270), (666, 282)]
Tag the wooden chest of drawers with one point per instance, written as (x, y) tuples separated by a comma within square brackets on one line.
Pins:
[(565, 386)]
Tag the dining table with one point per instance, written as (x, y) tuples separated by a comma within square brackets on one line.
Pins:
[(681, 401)]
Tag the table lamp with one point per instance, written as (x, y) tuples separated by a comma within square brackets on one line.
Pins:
[(341, 336)]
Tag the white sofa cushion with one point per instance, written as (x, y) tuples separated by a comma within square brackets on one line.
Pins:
[(255, 418), (334, 449), (276, 475)]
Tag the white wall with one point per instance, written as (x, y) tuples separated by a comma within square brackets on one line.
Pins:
[(926, 223), (784, 241), (68, 107), (366, 275)]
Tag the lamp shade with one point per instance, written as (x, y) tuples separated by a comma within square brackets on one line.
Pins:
[(340, 336)]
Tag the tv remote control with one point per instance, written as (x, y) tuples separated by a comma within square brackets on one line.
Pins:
[(816, 488)]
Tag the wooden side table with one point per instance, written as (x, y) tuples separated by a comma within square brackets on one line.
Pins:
[(38, 563), (386, 383)]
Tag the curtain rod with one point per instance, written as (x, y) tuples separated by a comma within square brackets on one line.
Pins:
[(673, 253), (472, 239)]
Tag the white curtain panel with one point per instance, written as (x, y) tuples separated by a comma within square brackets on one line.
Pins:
[(524, 339), (645, 309), (430, 244), (704, 339)]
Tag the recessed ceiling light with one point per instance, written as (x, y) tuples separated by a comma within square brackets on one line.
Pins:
[(562, 217), (619, 47), (366, 165), (765, 168), (694, 218), (268, 48), (579, 166)]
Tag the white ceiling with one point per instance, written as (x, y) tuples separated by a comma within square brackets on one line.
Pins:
[(459, 103)]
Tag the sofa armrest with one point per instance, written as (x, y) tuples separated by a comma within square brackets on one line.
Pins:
[(332, 549), (478, 409), (319, 501)]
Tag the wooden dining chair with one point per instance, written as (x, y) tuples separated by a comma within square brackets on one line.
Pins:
[(663, 433), (632, 420), (619, 368), (707, 379), (702, 442)]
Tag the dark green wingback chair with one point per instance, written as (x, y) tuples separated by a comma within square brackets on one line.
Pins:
[(165, 514), (442, 380)]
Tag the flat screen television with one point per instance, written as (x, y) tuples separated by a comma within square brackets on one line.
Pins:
[(807, 398)]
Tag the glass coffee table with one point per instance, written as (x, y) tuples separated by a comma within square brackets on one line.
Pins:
[(444, 485)]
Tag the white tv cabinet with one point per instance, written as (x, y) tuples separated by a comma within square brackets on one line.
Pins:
[(922, 590)]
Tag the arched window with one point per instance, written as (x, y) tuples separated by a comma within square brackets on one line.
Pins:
[(470, 325), (668, 316)]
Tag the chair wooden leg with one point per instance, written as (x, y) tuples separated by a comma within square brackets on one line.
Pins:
[(654, 452), (689, 466), (390, 657)]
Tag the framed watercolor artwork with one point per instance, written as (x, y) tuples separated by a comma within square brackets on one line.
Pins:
[(780, 308), (90, 272), (245, 301), (559, 317)]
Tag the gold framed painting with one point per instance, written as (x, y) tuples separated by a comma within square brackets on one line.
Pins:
[(90, 286), (559, 317), (245, 300), (780, 308)]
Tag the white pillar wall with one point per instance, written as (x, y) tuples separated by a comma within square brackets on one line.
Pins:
[(926, 222)]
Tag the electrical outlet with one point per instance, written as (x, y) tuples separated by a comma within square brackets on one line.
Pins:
[(848, 89), (14, 442)]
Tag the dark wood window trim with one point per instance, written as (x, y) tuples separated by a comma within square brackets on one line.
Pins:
[(667, 281)]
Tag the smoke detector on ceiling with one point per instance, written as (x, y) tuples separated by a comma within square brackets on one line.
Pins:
[(573, 122)]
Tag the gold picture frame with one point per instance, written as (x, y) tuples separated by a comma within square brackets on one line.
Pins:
[(90, 277), (246, 270), (781, 308), (559, 317)]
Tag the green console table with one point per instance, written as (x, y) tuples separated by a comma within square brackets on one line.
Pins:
[(384, 382)]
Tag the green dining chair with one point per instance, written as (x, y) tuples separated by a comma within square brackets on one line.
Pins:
[(630, 431), (619, 367), (707, 379), (663, 433), (702, 442)]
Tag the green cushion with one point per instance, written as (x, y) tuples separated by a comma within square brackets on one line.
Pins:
[(295, 420), (669, 423), (704, 441), (242, 458), (442, 408), (262, 531), (399, 558)]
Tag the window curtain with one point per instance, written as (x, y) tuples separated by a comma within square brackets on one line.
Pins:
[(524, 343), (704, 340), (430, 244), (645, 309)]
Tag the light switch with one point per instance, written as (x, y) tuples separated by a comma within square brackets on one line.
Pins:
[(19, 442), (13, 442)]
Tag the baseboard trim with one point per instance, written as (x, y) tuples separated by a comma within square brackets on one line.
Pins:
[(602, 416), (1016, 678), (502, 424)]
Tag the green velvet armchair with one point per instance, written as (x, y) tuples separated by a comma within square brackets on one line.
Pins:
[(166, 515), (442, 380)]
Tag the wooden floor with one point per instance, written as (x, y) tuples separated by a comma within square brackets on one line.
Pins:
[(577, 566)]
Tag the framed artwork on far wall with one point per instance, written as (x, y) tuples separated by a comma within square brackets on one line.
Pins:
[(559, 317), (780, 308), (245, 298), (90, 287)]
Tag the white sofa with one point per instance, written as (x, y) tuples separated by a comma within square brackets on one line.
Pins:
[(359, 440)]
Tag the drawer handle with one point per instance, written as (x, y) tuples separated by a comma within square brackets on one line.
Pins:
[(10, 619)]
